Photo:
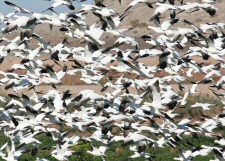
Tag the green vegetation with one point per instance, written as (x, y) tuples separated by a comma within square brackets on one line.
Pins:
[(120, 153), (117, 151)]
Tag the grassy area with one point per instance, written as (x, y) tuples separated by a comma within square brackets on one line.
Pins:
[(117, 151), (120, 153)]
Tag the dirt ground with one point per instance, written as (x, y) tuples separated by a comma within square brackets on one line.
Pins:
[(74, 84), (76, 89)]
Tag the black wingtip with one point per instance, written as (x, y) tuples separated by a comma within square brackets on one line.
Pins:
[(71, 7)]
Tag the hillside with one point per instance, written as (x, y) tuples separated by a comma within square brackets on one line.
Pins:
[(137, 18)]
